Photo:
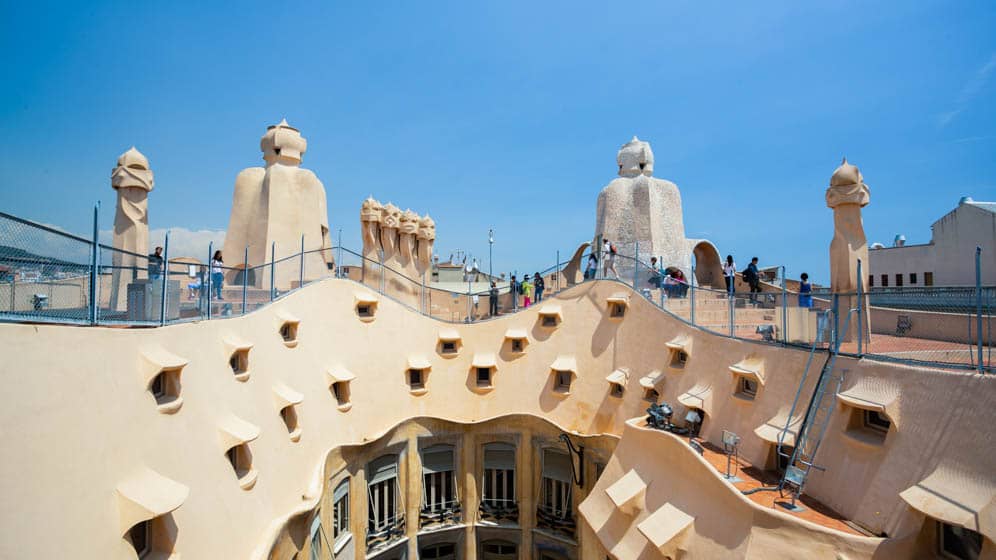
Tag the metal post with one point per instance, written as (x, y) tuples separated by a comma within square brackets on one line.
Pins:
[(470, 305), (636, 265), (210, 275), (515, 292), (491, 243), (338, 259), (978, 302), (861, 326), (245, 279), (93, 269), (784, 307), (273, 269), (165, 273), (732, 301), (559, 273), (834, 344), (300, 283), (692, 303)]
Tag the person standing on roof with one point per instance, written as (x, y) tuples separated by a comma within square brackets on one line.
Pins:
[(493, 300), (539, 285), (592, 267), (609, 259), (729, 274), (805, 291), (527, 291), (753, 277)]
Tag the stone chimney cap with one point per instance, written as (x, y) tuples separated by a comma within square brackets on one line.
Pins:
[(133, 159), (845, 175)]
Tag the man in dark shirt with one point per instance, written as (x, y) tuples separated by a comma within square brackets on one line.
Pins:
[(493, 300), (753, 277), (156, 264), (539, 285)]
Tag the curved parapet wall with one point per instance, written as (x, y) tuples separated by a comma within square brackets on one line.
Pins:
[(82, 412)]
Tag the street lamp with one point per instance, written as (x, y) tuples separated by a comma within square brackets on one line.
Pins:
[(491, 243)]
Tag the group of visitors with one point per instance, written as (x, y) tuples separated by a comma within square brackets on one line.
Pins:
[(672, 280), (530, 288), (195, 288), (752, 275), (608, 254)]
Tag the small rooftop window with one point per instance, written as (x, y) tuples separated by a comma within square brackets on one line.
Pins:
[(416, 378), (339, 379)]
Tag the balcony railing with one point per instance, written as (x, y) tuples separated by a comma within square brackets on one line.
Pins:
[(447, 513), (384, 533), (499, 511), (561, 522)]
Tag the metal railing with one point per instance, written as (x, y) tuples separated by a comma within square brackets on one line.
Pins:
[(51, 276)]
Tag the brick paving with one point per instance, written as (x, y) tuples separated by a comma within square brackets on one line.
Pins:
[(754, 477)]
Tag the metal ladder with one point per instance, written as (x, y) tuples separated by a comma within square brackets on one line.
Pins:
[(818, 414)]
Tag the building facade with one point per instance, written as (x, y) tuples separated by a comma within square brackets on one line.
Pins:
[(949, 258)]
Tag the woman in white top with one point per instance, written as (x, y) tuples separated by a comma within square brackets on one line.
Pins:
[(729, 274), (609, 259), (217, 276)]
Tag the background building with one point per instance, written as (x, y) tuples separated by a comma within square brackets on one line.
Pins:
[(949, 258)]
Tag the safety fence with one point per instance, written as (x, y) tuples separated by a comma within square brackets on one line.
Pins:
[(51, 276)]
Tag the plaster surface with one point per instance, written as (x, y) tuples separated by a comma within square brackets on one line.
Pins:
[(133, 180), (112, 427), (272, 208), (847, 195), (638, 208)]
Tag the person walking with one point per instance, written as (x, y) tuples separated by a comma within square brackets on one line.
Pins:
[(729, 274), (527, 292), (217, 276), (539, 285), (609, 259), (805, 291), (753, 277), (493, 300)]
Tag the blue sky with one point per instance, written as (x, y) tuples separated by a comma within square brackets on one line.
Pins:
[(509, 114)]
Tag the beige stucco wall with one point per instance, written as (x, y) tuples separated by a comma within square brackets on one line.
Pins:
[(950, 255), (78, 417)]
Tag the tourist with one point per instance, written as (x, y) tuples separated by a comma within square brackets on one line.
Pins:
[(527, 291), (513, 292), (539, 285), (493, 300), (217, 276), (805, 291), (592, 267), (156, 264), (194, 287), (670, 285), (681, 283), (753, 277), (655, 277), (609, 259), (729, 274)]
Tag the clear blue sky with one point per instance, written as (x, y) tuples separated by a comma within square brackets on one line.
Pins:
[(509, 114)]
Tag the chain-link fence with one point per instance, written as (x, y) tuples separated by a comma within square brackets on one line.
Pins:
[(45, 274)]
